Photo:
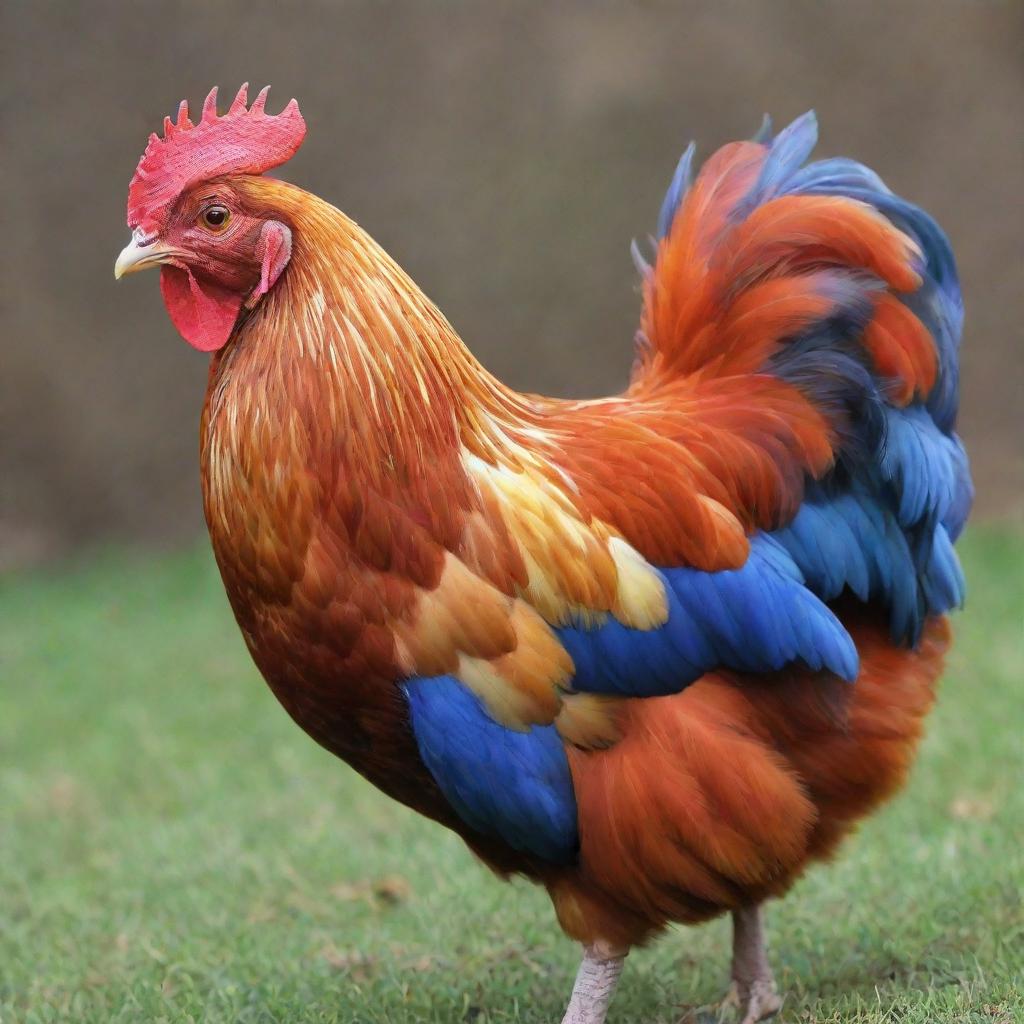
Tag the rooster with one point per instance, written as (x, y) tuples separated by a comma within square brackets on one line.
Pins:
[(658, 652)]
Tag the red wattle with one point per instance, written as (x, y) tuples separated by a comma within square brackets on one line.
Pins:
[(203, 313)]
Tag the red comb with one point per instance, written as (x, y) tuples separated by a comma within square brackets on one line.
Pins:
[(243, 141)]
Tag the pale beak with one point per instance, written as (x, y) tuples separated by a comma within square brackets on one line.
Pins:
[(139, 254)]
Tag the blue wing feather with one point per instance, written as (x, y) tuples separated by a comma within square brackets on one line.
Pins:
[(510, 785), (757, 618)]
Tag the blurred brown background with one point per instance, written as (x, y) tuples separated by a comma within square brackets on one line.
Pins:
[(504, 154)]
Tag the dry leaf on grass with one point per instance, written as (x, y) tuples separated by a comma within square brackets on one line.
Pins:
[(389, 890), (972, 807), (353, 962)]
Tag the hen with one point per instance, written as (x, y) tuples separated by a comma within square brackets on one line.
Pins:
[(657, 652)]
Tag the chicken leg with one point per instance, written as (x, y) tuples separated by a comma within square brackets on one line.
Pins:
[(595, 983), (753, 989)]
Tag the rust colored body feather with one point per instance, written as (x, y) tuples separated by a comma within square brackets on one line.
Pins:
[(720, 796)]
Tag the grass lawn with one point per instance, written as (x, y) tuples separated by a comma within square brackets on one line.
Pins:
[(175, 849)]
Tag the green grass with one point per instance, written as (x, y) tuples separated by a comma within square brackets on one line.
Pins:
[(174, 849)]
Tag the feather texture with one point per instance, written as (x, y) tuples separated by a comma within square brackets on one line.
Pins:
[(548, 623), (514, 785)]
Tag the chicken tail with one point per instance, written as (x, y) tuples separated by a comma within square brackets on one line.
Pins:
[(819, 276)]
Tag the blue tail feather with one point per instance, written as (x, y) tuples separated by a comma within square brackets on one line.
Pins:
[(882, 523)]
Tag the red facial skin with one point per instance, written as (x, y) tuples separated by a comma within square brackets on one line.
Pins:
[(213, 269)]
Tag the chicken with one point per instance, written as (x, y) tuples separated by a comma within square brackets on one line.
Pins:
[(657, 652)]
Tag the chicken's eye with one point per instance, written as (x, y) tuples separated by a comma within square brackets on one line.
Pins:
[(216, 217)]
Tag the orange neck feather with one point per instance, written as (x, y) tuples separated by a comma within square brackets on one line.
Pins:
[(345, 385), (360, 341)]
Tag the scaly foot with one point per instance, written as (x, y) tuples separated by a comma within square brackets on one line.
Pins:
[(598, 975), (753, 992)]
